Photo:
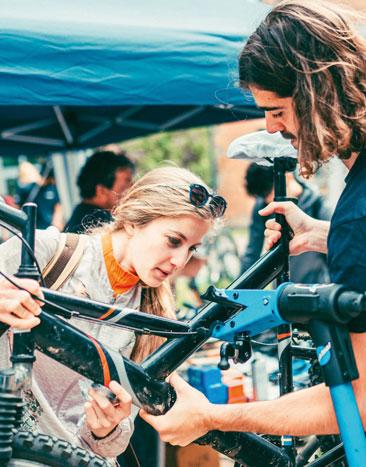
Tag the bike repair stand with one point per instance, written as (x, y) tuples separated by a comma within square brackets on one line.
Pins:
[(338, 372), (12, 380), (334, 351), (335, 305)]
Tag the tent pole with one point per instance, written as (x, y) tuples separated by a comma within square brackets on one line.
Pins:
[(212, 157)]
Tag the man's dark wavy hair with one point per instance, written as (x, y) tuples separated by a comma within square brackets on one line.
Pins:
[(309, 51), (100, 169)]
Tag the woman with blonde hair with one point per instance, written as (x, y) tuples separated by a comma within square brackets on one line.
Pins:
[(157, 226)]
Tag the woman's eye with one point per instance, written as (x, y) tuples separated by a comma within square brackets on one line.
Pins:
[(173, 241), (193, 249)]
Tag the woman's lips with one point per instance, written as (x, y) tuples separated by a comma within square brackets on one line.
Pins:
[(162, 274)]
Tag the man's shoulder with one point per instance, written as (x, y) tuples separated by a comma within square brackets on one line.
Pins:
[(351, 205), (83, 209)]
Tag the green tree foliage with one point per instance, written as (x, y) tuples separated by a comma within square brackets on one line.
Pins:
[(191, 149)]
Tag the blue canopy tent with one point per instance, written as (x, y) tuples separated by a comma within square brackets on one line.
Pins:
[(80, 74)]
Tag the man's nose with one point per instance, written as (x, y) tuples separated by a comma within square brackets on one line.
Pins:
[(272, 125)]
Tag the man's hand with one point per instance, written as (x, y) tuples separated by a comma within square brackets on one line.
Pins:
[(187, 420), (101, 416), (309, 234), (17, 308)]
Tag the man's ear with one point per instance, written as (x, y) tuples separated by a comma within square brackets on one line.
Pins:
[(100, 190)]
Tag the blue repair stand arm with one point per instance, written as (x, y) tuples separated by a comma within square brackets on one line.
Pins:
[(335, 355)]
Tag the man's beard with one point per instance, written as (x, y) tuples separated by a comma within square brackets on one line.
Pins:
[(287, 135)]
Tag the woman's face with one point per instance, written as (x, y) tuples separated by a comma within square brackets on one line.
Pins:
[(162, 247)]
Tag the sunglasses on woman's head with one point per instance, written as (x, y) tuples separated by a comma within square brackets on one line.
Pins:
[(199, 197)]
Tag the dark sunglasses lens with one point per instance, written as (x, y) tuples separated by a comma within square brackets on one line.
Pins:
[(198, 195), (218, 206)]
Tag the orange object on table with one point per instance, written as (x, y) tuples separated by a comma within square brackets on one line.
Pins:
[(234, 380)]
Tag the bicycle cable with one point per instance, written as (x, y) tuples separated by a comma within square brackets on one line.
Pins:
[(28, 247), (266, 344), (63, 310), (67, 313), (172, 334)]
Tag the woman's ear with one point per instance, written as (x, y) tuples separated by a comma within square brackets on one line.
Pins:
[(129, 229)]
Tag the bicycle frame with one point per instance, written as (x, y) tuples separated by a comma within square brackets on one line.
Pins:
[(73, 348)]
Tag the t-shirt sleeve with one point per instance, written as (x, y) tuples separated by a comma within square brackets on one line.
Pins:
[(46, 243), (347, 263)]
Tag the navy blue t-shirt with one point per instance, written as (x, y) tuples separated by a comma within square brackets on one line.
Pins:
[(347, 236)]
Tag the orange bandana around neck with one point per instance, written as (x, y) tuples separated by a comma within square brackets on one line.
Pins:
[(121, 280)]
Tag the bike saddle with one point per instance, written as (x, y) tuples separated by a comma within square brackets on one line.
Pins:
[(261, 147)]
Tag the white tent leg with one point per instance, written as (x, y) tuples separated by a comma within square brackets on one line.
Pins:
[(2, 179), (66, 167)]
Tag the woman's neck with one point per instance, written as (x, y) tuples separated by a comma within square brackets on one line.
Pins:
[(120, 241)]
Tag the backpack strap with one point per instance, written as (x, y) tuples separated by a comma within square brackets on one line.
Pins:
[(55, 257), (65, 260)]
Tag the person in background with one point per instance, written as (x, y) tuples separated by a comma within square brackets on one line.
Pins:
[(101, 181), (309, 267), (41, 190)]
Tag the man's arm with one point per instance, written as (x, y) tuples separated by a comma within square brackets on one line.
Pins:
[(301, 413)]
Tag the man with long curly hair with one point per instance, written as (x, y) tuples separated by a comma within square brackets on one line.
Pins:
[(306, 68)]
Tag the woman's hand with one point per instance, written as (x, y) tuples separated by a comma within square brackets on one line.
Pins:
[(309, 234), (17, 308), (101, 416)]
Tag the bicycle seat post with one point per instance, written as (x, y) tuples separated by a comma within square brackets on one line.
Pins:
[(27, 268), (23, 344), (281, 165)]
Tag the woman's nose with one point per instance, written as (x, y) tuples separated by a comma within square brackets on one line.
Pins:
[(179, 259)]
